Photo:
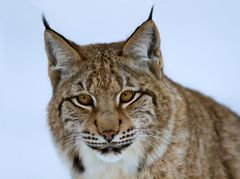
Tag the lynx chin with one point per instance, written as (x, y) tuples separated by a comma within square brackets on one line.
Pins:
[(114, 114)]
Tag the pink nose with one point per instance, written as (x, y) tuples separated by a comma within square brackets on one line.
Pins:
[(108, 135)]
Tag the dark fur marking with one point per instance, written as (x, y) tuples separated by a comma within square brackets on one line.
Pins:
[(70, 120), (140, 166), (45, 22), (110, 149), (149, 113), (78, 165), (149, 18), (70, 100), (81, 85), (47, 26), (60, 109), (151, 95), (136, 98), (151, 13), (86, 132)]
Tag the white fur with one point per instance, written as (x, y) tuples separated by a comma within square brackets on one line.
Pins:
[(64, 58), (142, 44), (104, 167), (110, 158)]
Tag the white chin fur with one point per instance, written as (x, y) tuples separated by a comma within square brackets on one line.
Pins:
[(110, 158)]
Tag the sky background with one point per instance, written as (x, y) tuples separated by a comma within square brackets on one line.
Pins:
[(199, 41)]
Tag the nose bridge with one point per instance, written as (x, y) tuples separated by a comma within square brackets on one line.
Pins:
[(107, 120)]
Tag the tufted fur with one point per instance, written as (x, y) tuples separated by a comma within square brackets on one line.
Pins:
[(168, 131)]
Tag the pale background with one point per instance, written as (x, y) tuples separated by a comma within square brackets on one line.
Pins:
[(200, 45)]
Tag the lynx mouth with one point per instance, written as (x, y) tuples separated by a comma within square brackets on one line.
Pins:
[(110, 149)]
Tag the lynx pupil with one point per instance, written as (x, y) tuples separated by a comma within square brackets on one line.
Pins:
[(85, 99), (126, 96)]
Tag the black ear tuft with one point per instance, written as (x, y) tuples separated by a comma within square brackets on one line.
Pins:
[(45, 22), (47, 26), (151, 13)]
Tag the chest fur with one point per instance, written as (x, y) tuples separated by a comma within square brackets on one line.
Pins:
[(96, 168)]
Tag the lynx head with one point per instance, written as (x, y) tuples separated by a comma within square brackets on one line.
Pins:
[(107, 98)]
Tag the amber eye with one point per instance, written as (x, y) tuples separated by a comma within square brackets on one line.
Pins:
[(126, 96), (85, 99)]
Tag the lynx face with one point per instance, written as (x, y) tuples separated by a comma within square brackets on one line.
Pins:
[(109, 99), (107, 109), (108, 106)]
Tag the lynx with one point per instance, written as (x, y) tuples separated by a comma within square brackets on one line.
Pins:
[(115, 114)]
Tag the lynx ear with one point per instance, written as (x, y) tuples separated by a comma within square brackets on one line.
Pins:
[(63, 58), (144, 45)]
